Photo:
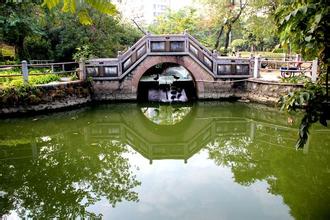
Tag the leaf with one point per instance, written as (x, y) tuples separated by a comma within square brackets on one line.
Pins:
[(51, 3), (69, 6), (103, 6), (318, 18), (84, 17), (287, 18), (308, 38)]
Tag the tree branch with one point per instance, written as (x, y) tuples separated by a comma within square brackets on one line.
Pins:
[(218, 38), (138, 26)]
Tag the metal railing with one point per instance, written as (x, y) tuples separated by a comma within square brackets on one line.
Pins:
[(290, 68)]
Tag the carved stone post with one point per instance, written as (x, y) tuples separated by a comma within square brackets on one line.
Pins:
[(314, 70), (256, 69)]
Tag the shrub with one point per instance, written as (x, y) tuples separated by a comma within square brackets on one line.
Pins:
[(239, 44)]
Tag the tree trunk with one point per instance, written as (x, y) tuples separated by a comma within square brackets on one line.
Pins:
[(19, 49), (227, 38), (327, 84), (218, 38)]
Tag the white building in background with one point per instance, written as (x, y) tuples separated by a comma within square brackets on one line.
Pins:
[(145, 12)]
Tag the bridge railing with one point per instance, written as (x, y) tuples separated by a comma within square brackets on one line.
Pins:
[(167, 45), (233, 67), (102, 68)]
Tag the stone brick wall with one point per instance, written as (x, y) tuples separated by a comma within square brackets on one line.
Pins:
[(267, 92), (222, 89)]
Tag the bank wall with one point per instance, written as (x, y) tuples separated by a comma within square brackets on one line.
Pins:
[(267, 92)]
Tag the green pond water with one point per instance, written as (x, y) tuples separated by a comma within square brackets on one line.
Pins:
[(208, 160)]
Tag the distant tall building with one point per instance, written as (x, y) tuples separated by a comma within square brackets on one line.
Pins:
[(144, 12)]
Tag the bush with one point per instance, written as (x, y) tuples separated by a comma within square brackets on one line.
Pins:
[(278, 50), (239, 44), (23, 94), (296, 79), (38, 48), (33, 80)]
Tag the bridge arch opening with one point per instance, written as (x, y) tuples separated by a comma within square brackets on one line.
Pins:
[(166, 82)]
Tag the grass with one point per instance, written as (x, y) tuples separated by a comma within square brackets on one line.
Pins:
[(44, 77), (7, 51), (262, 54), (17, 71), (17, 81)]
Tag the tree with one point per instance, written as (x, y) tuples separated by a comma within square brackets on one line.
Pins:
[(224, 14), (39, 33), (239, 44), (101, 40), (176, 22), (19, 21), (303, 26), (260, 32)]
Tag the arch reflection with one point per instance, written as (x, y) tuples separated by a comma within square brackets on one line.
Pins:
[(166, 114)]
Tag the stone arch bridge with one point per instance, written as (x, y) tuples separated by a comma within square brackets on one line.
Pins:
[(118, 78)]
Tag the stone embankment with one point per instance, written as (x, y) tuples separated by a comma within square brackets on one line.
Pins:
[(43, 98)]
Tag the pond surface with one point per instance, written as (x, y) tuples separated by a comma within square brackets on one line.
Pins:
[(208, 160)]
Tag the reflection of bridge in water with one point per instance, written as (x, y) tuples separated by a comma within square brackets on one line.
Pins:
[(181, 141), (184, 139)]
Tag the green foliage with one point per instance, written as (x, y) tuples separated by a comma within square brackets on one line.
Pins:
[(17, 81), (278, 50), (262, 54), (303, 26), (43, 79), (20, 94), (176, 22), (19, 20), (7, 51), (296, 79), (70, 6), (102, 41), (239, 44), (83, 53), (39, 33), (310, 98), (38, 47), (17, 71)]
